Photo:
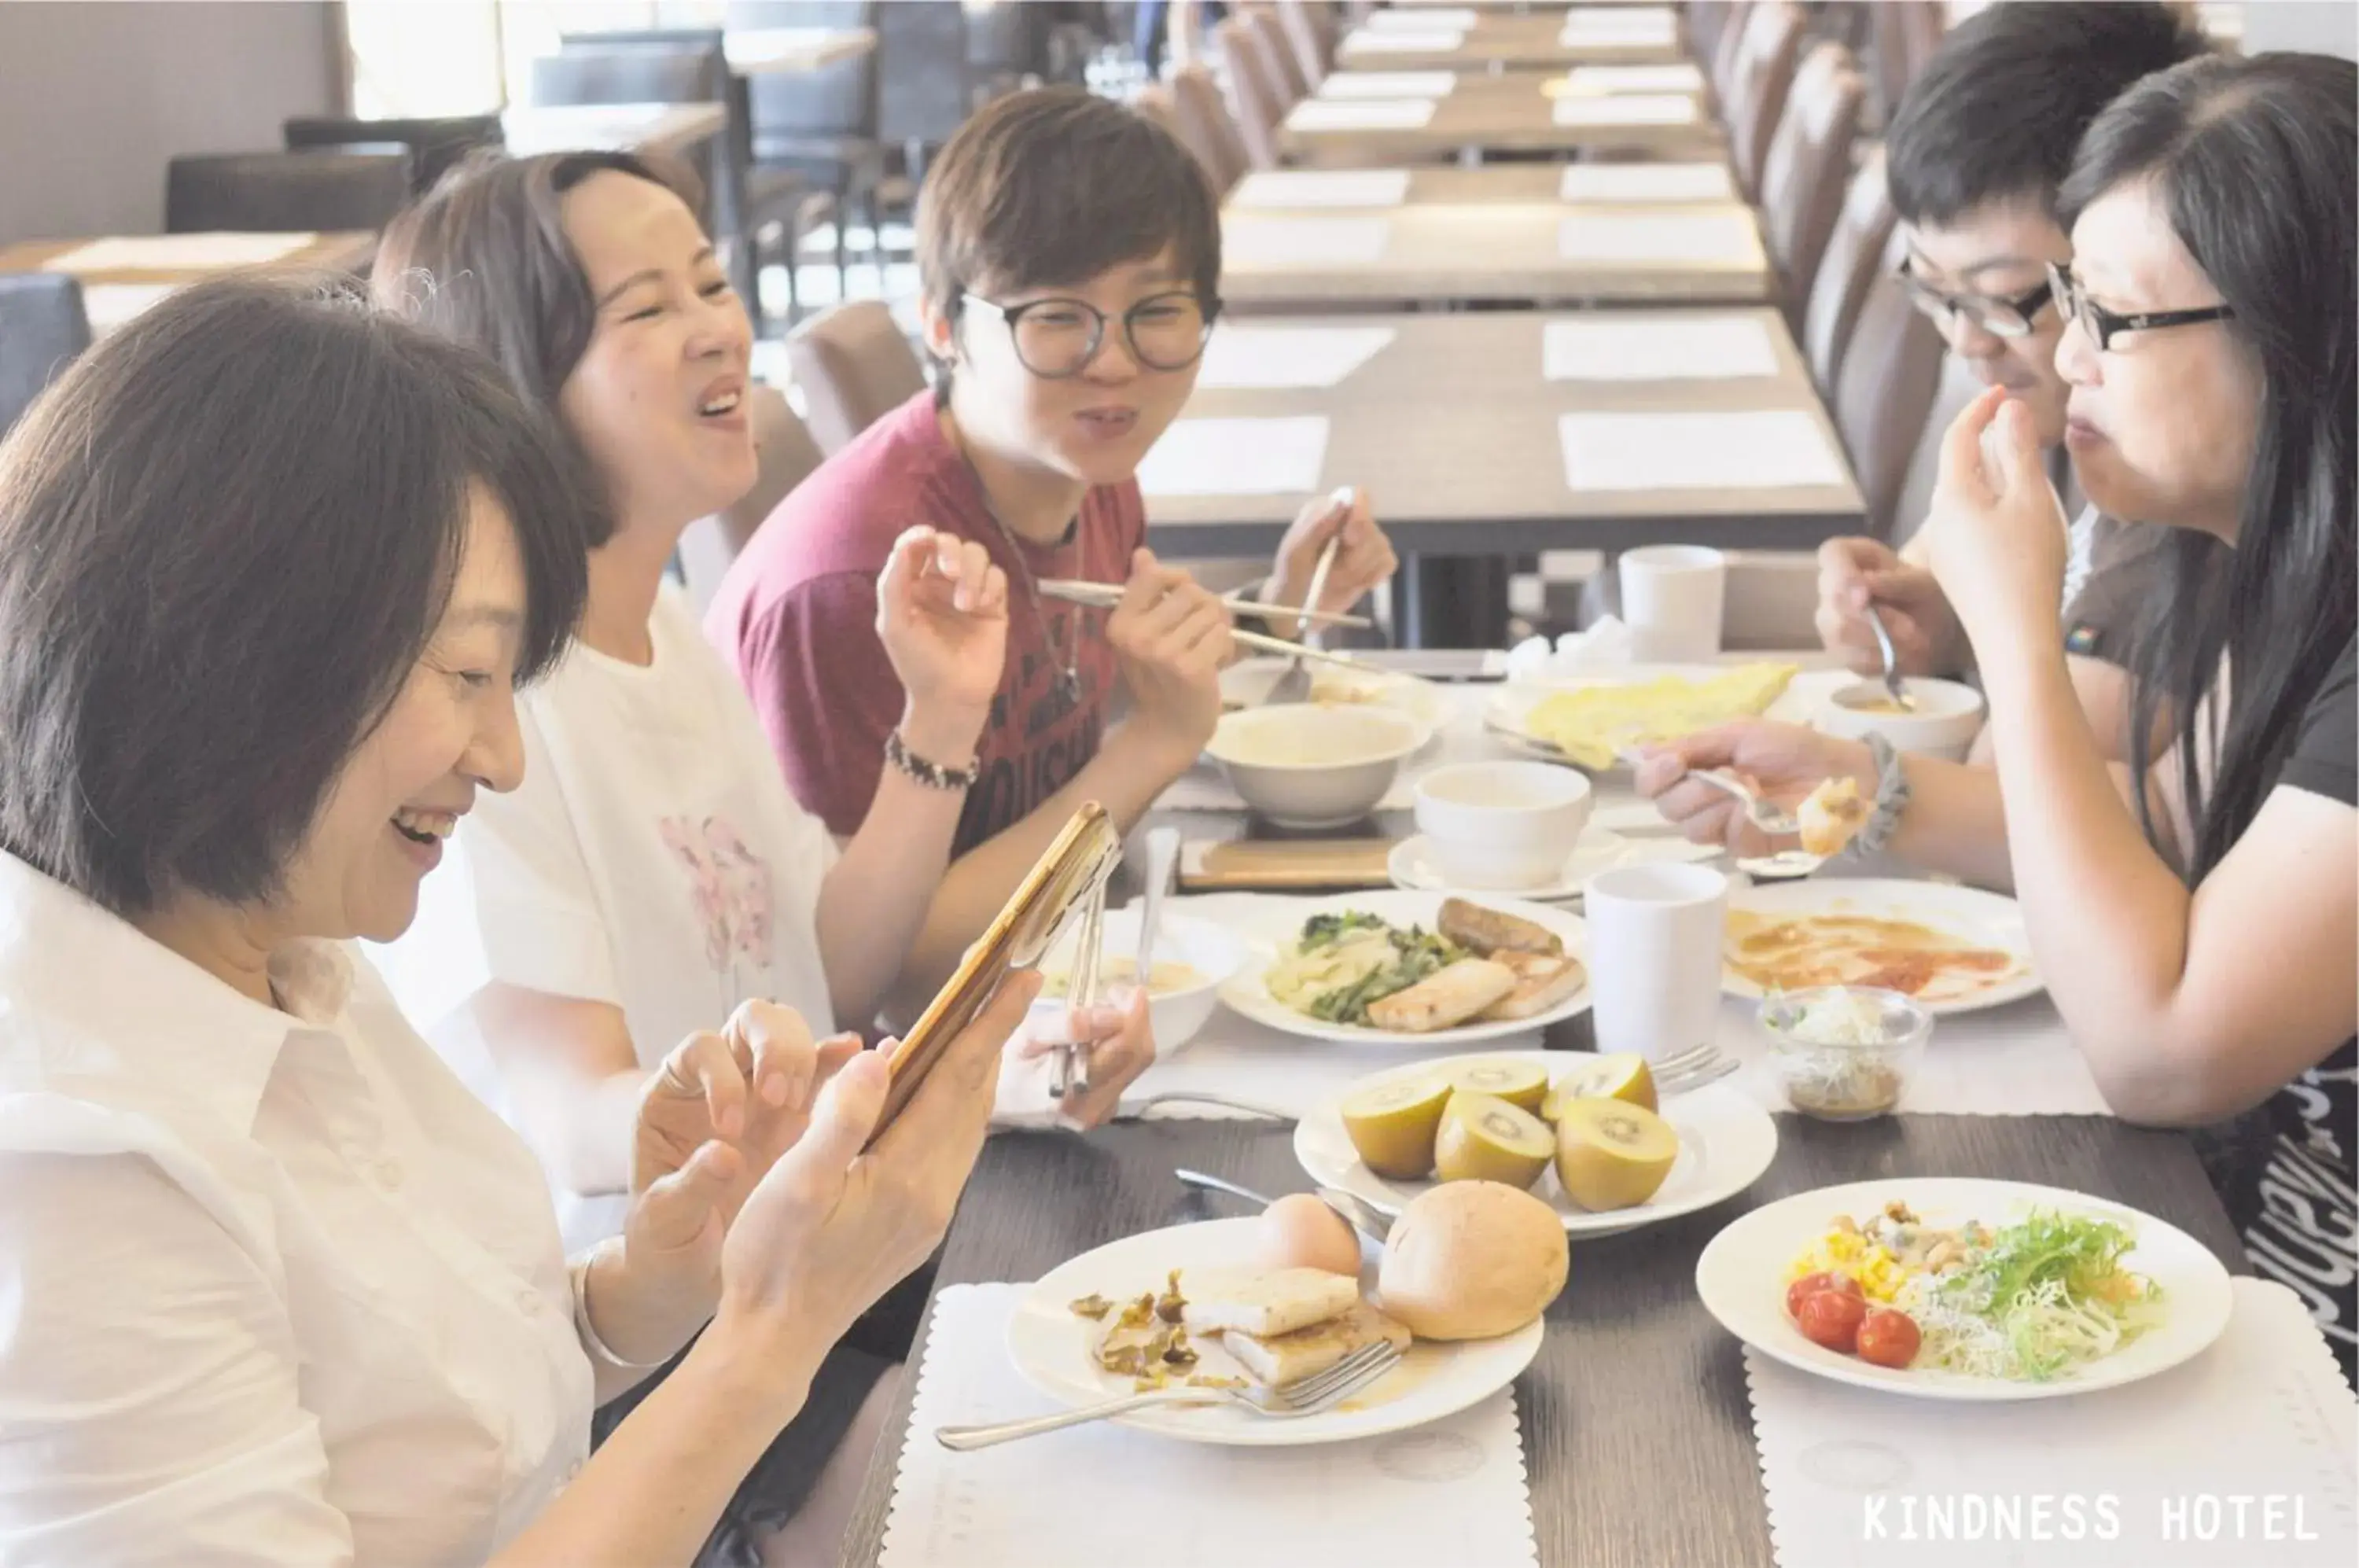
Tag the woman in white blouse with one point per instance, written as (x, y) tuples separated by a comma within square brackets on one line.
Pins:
[(275, 1289)]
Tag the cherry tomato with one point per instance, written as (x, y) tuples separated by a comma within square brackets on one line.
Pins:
[(1809, 1285), (1832, 1319), (1889, 1338)]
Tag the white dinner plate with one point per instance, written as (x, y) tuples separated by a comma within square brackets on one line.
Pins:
[(1976, 918), (1050, 1346), (1726, 1142), (1742, 1277), (1277, 922), (1411, 863), (1506, 716)]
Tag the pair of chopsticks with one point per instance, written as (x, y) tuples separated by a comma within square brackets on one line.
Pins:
[(1104, 597)]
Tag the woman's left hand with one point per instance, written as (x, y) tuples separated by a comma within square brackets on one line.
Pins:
[(1997, 539), (1120, 1041), (711, 1122), (1364, 560), (941, 613)]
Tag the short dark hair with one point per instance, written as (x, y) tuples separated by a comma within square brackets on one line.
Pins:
[(1996, 112), (2256, 161), (482, 258), (226, 534), (1055, 186)]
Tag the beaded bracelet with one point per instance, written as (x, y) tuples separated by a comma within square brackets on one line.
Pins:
[(932, 775)]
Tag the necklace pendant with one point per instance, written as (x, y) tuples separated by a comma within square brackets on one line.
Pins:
[(1068, 689)]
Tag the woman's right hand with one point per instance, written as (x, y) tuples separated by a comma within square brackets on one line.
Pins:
[(830, 1229), (1856, 572), (1783, 763)]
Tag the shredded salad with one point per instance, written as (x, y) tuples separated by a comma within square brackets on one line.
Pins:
[(2028, 1302)]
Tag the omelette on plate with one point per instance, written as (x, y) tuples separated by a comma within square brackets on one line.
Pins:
[(1588, 723)]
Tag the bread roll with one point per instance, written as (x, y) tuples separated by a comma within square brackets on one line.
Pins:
[(1473, 1260)]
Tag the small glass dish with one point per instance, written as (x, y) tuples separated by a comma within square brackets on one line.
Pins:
[(1843, 1053)]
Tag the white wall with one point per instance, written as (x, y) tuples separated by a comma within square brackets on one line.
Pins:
[(95, 97), (2316, 26)]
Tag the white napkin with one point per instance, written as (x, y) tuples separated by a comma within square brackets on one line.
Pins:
[(1605, 644), (2264, 1414), (1022, 1098), (1452, 1491)]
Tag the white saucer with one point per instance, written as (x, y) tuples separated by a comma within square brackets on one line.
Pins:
[(1412, 868)]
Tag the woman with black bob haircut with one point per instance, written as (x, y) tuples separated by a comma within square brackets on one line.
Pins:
[(2194, 918), (279, 1289)]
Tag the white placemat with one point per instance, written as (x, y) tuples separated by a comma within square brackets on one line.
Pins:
[(1436, 42), (1638, 347), (1388, 84), (177, 253), (1724, 238), (1243, 353), (1360, 115), (1279, 455), (2015, 1060), (1683, 76), (1322, 188), (1261, 240), (1753, 449), (1452, 1492), (2130, 1478), (1641, 183), (1626, 109)]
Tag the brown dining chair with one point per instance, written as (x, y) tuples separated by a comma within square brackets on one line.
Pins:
[(1883, 394), (1310, 47), (788, 455), (1762, 75), (1903, 35), (1266, 27), (1207, 126), (1259, 99), (1719, 65), (1854, 250), (1154, 102), (854, 367), (1803, 177)]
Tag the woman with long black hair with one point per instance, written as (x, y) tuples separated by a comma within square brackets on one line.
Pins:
[(2194, 918)]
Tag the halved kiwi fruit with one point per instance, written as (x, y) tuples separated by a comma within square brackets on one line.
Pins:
[(1485, 1138), (1611, 1154), (1522, 1085), (1393, 1126), (1621, 1076)]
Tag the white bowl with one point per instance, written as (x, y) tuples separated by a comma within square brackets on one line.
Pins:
[(1949, 716), (1179, 1015), (1306, 764), (1504, 825)]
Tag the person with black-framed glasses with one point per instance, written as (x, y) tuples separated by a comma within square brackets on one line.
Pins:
[(1069, 258), (1974, 156)]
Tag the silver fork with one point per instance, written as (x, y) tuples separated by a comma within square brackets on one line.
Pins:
[(1294, 684), (1311, 1396)]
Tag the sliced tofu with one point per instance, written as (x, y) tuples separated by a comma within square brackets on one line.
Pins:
[(1446, 999), (1278, 1302), (1491, 932), (1275, 1361), (1541, 984)]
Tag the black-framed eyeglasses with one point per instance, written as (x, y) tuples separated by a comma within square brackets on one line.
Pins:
[(2000, 317), (2102, 326), (1057, 339)]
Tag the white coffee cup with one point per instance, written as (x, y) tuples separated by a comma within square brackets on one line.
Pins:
[(1655, 936), (1671, 598), (1504, 825)]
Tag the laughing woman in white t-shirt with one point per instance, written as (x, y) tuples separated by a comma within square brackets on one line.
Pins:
[(653, 873)]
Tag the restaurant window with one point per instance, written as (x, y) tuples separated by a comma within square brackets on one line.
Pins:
[(471, 57)]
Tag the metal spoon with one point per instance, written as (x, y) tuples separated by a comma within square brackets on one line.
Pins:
[(1891, 682), (1294, 684), (1357, 1213), (1162, 863)]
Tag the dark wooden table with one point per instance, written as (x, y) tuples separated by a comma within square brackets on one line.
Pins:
[(1636, 1429)]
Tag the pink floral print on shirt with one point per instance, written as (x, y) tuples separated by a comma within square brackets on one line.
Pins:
[(730, 887)]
